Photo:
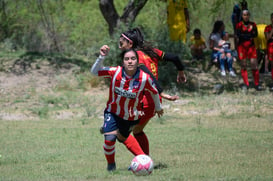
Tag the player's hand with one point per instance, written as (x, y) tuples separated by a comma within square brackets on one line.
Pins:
[(169, 97), (160, 113), (181, 77), (104, 50)]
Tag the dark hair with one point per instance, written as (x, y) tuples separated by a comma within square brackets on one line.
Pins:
[(217, 26), (271, 15), (197, 31), (138, 42), (122, 54), (244, 5)]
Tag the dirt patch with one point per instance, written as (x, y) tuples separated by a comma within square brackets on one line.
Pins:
[(22, 79)]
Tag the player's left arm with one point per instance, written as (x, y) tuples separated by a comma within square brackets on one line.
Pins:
[(254, 31), (181, 77)]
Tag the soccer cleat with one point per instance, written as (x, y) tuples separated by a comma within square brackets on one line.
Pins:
[(258, 87), (111, 167)]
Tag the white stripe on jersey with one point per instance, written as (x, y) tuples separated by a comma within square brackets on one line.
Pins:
[(119, 97), (144, 78), (113, 88), (126, 108)]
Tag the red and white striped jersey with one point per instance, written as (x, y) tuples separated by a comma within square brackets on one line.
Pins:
[(126, 94)]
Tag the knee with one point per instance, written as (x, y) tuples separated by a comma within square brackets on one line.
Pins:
[(138, 129), (110, 137), (121, 138)]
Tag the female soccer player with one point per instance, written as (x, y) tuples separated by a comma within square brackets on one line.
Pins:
[(149, 57), (269, 37), (123, 110), (246, 32)]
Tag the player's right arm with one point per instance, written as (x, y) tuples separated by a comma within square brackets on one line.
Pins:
[(97, 68)]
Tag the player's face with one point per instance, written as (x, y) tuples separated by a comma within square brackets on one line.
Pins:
[(124, 44), (130, 62), (197, 36), (245, 16), (272, 19)]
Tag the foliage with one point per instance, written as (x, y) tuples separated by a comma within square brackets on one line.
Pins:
[(78, 28)]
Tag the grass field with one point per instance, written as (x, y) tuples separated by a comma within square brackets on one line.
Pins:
[(213, 137)]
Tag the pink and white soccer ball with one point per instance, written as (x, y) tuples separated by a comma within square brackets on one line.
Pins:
[(142, 165)]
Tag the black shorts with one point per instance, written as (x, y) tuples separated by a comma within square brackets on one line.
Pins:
[(112, 122)]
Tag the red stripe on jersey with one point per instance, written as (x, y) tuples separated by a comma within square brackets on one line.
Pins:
[(107, 71)]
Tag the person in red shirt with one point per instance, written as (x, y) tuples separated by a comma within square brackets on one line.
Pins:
[(149, 57), (269, 37), (124, 107), (246, 31)]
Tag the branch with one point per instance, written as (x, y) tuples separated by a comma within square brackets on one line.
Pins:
[(131, 10)]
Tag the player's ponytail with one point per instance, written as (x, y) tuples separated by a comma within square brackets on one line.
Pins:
[(136, 36)]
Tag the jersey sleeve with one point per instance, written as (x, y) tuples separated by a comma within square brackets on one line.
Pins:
[(107, 72), (99, 70), (160, 53), (150, 85), (151, 88)]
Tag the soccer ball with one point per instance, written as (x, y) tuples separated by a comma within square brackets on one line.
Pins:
[(142, 165)]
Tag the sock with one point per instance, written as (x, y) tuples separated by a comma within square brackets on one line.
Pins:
[(244, 76), (256, 76), (143, 141), (109, 151), (133, 146)]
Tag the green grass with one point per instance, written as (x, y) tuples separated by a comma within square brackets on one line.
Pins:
[(225, 137)]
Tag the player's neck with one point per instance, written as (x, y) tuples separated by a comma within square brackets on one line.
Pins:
[(129, 74)]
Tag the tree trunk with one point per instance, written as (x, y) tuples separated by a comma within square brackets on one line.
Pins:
[(110, 14), (129, 15)]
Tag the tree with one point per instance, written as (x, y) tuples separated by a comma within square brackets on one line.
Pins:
[(129, 15)]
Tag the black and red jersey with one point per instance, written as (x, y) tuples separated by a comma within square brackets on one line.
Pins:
[(246, 32)]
